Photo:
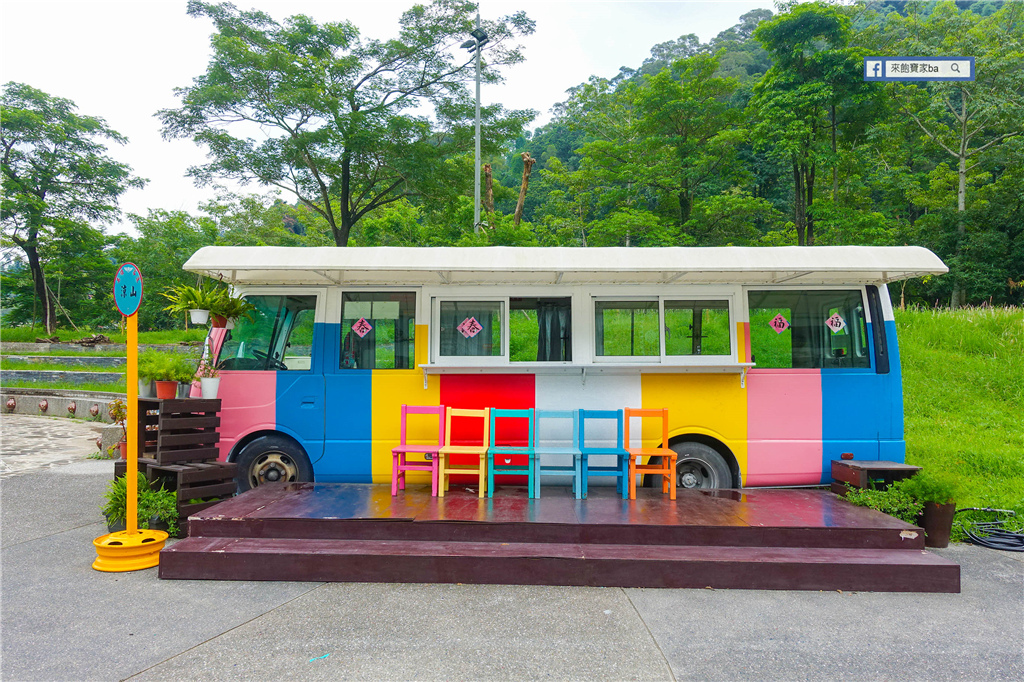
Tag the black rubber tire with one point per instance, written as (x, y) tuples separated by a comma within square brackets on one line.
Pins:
[(269, 459), (700, 466)]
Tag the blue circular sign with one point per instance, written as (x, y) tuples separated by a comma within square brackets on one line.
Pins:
[(128, 289)]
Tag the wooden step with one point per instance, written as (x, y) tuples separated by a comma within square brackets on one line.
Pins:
[(749, 519), (548, 563)]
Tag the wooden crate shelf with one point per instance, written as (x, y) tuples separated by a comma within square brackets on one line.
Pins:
[(179, 430)]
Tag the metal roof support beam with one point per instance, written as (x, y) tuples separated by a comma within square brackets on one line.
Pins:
[(780, 280)]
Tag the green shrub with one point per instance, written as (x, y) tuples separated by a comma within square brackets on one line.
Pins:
[(937, 488), (894, 502), (159, 503)]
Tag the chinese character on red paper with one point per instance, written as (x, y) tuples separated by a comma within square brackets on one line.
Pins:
[(835, 323), (470, 327), (779, 323), (362, 327)]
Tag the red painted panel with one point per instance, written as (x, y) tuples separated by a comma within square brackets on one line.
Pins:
[(477, 391)]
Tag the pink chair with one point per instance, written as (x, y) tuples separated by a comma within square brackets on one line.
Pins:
[(400, 464)]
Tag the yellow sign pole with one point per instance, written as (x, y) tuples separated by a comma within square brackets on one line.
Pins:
[(132, 352), (130, 549)]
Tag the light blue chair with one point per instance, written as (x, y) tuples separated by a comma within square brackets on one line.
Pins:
[(572, 451), (591, 447), (498, 455)]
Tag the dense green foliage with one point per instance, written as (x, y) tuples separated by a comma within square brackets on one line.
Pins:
[(765, 135), (58, 184)]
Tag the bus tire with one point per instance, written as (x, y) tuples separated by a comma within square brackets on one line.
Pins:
[(700, 466), (269, 459)]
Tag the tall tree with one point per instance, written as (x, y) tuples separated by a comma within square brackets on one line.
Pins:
[(967, 120), (57, 179), (813, 74), (347, 124)]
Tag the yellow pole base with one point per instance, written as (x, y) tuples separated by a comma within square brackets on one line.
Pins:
[(128, 551)]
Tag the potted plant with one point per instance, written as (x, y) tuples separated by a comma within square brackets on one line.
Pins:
[(209, 378), (167, 370), (155, 507), (230, 309), (118, 411), (149, 361), (937, 493), (197, 301)]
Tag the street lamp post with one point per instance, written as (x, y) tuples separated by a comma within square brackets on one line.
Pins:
[(479, 38)]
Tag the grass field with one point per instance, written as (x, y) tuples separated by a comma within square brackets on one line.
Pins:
[(963, 386), (29, 334)]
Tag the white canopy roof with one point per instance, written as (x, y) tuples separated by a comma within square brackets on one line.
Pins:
[(384, 265)]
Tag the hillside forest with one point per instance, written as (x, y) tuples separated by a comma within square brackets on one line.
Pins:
[(766, 135)]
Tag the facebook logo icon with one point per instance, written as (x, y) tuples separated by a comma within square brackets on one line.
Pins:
[(873, 68)]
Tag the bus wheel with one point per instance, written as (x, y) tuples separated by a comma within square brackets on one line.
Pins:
[(700, 466), (269, 459)]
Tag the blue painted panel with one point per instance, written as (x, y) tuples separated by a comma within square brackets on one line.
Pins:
[(349, 417), (859, 408), (345, 462), (299, 408)]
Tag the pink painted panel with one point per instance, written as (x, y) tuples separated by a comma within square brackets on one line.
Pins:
[(248, 403), (783, 427)]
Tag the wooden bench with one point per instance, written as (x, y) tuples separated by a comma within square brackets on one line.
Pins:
[(868, 474)]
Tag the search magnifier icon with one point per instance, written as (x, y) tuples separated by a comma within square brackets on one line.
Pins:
[(955, 66)]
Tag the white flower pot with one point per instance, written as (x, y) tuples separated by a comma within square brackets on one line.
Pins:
[(230, 324), (199, 316), (210, 386)]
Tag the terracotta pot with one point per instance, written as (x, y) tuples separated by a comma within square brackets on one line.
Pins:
[(123, 445), (938, 523), (218, 320), (165, 390)]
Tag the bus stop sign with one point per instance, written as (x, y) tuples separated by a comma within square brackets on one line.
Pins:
[(128, 289)]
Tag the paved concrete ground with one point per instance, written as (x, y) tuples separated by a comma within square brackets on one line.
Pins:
[(61, 620), (28, 442)]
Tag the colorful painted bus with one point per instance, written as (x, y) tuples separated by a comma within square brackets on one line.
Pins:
[(772, 362)]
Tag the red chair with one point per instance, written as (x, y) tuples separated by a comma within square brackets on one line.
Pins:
[(399, 462), (666, 457)]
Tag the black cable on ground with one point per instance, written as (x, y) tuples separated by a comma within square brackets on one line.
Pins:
[(992, 534)]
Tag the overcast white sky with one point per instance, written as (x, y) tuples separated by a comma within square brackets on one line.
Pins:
[(121, 60)]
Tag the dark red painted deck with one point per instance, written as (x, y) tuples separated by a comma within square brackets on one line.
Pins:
[(753, 539)]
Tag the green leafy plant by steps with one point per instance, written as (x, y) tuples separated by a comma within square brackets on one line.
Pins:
[(894, 501), (152, 503)]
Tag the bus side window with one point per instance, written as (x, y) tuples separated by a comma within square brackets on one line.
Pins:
[(277, 337), (808, 329), (378, 330), (540, 329)]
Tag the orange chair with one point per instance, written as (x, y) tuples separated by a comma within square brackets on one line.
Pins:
[(445, 467), (666, 464), (399, 455)]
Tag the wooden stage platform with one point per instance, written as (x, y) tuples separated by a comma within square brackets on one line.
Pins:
[(743, 539)]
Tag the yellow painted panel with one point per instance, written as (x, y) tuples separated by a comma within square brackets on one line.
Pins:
[(740, 343), (390, 390), (709, 404)]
